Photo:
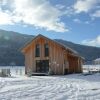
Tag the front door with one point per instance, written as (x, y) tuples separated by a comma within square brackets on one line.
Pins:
[(42, 66)]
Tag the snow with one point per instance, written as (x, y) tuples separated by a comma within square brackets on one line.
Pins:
[(68, 87)]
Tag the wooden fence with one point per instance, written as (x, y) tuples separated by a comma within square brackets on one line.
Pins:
[(12, 70)]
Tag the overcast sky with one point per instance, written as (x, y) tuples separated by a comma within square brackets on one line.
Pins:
[(72, 20)]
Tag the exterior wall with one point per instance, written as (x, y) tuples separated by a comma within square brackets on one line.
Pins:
[(29, 59), (58, 57), (80, 63), (74, 64), (66, 63)]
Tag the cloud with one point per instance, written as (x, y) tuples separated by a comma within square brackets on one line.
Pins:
[(92, 42), (5, 18), (96, 14), (85, 5), (76, 20), (39, 13)]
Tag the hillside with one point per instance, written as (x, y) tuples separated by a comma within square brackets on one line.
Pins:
[(10, 42), (88, 52)]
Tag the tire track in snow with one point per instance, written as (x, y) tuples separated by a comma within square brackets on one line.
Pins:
[(49, 88), (46, 89)]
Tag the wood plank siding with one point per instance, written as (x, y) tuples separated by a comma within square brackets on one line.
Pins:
[(61, 60)]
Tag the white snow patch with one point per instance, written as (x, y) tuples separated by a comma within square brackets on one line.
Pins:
[(69, 87)]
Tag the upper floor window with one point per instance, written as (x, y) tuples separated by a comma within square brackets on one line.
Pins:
[(37, 51), (46, 50)]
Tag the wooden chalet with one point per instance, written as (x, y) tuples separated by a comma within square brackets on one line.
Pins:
[(44, 55)]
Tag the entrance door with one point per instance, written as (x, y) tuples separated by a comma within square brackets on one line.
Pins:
[(42, 66)]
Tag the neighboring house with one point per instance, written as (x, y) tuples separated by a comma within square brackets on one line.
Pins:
[(97, 61), (43, 55)]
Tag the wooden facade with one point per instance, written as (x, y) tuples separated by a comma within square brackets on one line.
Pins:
[(61, 60)]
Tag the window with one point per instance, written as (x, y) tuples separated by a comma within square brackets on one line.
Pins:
[(37, 51), (46, 50)]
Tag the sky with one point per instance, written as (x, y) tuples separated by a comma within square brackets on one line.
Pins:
[(77, 21)]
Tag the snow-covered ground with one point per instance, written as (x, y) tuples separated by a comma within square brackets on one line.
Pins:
[(69, 87)]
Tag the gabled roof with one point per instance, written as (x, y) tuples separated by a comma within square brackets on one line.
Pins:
[(60, 44)]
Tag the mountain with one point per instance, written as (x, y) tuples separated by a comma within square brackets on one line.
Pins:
[(88, 52), (10, 42)]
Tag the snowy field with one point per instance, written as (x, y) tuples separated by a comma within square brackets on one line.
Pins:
[(69, 87)]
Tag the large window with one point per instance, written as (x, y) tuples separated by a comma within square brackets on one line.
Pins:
[(37, 51), (46, 50), (42, 66)]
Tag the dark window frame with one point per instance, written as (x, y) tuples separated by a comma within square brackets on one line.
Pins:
[(46, 50), (37, 50)]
